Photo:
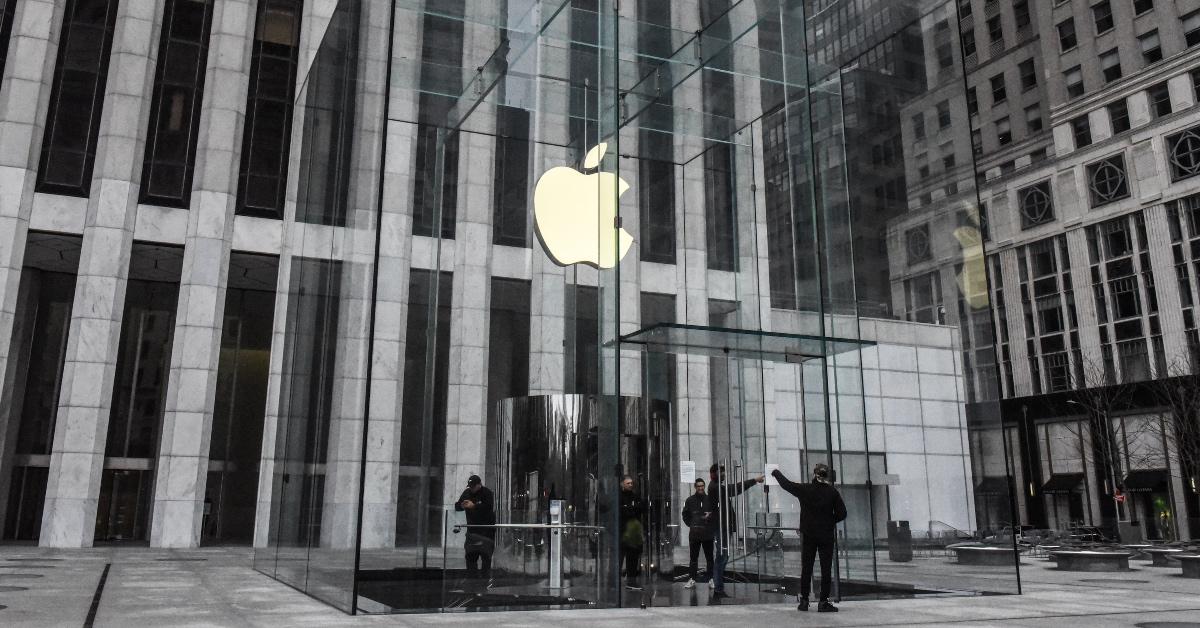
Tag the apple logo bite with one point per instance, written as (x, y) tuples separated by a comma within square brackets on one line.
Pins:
[(574, 214)]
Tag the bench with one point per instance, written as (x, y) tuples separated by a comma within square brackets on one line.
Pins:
[(1139, 550), (985, 555), (1091, 560), (1161, 556), (1191, 565)]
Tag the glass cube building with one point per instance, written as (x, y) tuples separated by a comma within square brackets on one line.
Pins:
[(287, 274), (556, 243)]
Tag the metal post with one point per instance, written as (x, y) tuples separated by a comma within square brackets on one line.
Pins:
[(556, 559)]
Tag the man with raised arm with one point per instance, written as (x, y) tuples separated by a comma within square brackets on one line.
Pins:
[(821, 509)]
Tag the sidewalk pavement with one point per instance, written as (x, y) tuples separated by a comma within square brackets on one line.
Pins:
[(148, 588)]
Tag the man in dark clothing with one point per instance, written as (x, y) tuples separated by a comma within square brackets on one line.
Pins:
[(479, 504), (698, 518), (720, 504), (821, 509), (632, 532)]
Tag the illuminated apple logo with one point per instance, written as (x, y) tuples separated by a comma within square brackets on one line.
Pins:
[(574, 214), (972, 280)]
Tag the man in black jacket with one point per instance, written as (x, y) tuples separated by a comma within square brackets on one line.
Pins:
[(821, 509), (479, 504), (720, 504), (698, 518), (632, 532)]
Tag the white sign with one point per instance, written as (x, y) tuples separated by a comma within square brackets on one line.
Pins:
[(770, 481), (687, 471)]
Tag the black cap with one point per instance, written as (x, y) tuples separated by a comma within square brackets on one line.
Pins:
[(473, 480)]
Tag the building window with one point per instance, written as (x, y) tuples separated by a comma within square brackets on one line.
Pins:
[(267, 135), (1033, 118), (1191, 28), (1081, 130), (964, 8), (923, 172), (977, 141), (1160, 100), (1028, 75), (949, 160), (1003, 132), (656, 176), (1141, 7), (1110, 65), (1074, 80), (1118, 114), (918, 122), (1102, 14), (1151, 47), (943, 113), (999, 91), (995, 30), (1066, 35), (76, 97), (972, 101), (1107, 181), (1021, 14), (968, 42), (7, 11), (945, 55), (917, 244), (1184, 154), (175, 108), (1036, 204), (1196, 84), (510, 193)]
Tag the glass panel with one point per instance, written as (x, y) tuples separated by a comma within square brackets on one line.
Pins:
[(747, 258)]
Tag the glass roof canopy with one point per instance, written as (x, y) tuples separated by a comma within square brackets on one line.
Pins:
[(532, 33), (739, 343)]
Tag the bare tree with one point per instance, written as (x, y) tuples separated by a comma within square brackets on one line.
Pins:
[(1099, 404), (1178, 427)]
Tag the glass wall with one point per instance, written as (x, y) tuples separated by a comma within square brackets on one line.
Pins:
[(588, 251)]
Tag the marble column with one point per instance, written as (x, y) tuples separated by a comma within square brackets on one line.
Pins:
[(381, 475), (24, 95), (81, 427), (182, 469), (466, 407)]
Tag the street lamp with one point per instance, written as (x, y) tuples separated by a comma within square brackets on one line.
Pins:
[(1110, 467)]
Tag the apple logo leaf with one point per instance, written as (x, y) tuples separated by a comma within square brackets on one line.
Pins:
[(593, 157)]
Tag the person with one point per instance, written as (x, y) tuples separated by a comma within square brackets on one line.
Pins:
[(698, 518), (479, 504), (632, 532), (821, 509), (720, 505)]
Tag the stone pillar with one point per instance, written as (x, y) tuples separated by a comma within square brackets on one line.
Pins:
[(381, 475), (466, 408), (313, 22), (348, 423), (694, 418), (24, 95), (548, 288), (182, 469), (81, 428), (1085, 307), (1170, 305)]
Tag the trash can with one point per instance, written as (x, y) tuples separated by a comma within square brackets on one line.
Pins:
[(899, 542)]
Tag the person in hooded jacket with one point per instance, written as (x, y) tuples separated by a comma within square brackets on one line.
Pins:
[(698, 518), (478, 503), (821, 509), (720, 504)]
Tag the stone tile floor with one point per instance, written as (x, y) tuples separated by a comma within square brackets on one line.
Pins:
[(217, 587)]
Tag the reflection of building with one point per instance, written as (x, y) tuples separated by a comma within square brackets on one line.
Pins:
[(206, 316), (1080, 126)]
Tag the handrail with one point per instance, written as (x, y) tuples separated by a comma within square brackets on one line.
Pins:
[(528, 526)]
